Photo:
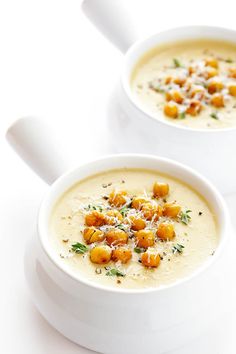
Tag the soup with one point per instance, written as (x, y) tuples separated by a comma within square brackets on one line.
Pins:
[(189, 83), (132, 228)]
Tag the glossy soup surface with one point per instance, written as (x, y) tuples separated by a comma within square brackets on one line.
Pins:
[(191, 242), (189, 83)]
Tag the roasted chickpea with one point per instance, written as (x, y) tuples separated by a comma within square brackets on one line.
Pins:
[(158, 212), (212, 62), (122, 254), (148, 210), (217, 100), (171, 210), (151, 211), (232, 90), (137, 203), (215, 86), (118, 198), (180, 80), (171, 110), (145, 238), (198, 93), (100, 254), (116, 237), (191, 69), (150, 259), (175, 96), (160, 189), (168, 80), (210, 72), (91, 234), (166, 231), (95, 218), (232, 73), (194, 108), (137, 223), (113, 217)]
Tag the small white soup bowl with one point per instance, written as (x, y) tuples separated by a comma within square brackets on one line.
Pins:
[(116, 320), (209, 151)]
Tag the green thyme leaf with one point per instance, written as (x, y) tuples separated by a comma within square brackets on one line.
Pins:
[(124, 211), (79, 248), (185, 217), (121, 227), (214, 115), (114, 272), (177, 248), (182, 115), (93, 207), (139, 250), (177, 63), (157, 88)]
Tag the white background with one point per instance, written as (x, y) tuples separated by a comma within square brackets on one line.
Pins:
[(55, 65)]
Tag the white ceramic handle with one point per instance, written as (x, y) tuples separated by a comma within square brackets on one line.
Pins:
[(112, 21), (32, 140)]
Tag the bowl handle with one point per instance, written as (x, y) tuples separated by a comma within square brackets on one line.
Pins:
[(32, 141), (112, 21)]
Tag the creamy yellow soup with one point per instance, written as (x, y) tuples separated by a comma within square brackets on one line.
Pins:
[(189, 83), (188, 238)]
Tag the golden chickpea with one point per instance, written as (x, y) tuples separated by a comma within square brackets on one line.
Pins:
[(232, 73), (148, 210), (232, 90), (175, 96), (194, 108), (210, 72), (137, 223), (113, 217), (100, 254), (150, 259), (217, 100), (116, 237), (215, 86), (168, 80), (212, 62), (198, 93), (158, 212), (122, 254), (95, 218), (180, 80), (145, 238), (118, 198), (171, 210), (151, 211), (93, 235), (191, 70), (166, 232), (137, 203), (171, 110), (160, 189)]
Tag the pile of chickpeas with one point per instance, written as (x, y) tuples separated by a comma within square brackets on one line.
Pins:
[(114, 234), (198, 85)]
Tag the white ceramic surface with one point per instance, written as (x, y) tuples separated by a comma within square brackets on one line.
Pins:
[(137, 131), (110, 320)]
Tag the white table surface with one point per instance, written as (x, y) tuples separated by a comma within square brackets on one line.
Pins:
[(55, 65)]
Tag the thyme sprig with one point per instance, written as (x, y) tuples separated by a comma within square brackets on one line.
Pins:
[(115, 272), (184, 217), (79, 248)]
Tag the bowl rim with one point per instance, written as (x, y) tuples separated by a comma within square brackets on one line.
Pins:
[(125, 79), (46, 208)]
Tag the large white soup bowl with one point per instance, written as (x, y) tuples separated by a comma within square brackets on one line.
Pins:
[(133, 129), (116, 320)]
